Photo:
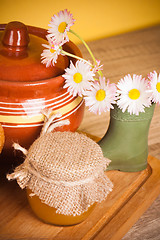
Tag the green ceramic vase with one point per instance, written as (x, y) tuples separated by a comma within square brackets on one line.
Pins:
[(126, 140)]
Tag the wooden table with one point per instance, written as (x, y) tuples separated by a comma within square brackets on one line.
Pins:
[(136, 52)]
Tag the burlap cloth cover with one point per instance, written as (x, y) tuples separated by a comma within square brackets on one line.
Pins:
[(66, 171)]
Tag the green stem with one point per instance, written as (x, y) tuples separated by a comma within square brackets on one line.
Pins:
[(89, 50), (74, 56)]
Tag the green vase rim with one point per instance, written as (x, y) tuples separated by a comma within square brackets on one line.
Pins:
[(117, 114)]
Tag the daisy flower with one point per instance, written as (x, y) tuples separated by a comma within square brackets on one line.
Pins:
[(132, 94), (154, 86), (101, 96), (59, 26), (50, 54), (78, 78)]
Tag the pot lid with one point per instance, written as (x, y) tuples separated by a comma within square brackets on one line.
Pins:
[(20, 54)]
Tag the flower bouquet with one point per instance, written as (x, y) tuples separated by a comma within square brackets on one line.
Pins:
[(131, 101)]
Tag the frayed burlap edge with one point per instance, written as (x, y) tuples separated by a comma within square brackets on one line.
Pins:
[(78, 199)]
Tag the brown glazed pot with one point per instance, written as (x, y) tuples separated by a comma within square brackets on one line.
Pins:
[(27, 86)]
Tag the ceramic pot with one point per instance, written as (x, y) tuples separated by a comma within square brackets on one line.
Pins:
[(126, 140), (27, 86)]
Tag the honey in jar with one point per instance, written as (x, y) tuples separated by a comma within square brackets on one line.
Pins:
[(48, 214), (64, 176)]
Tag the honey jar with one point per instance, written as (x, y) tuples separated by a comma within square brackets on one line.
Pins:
[(64, 176), (48, 214)]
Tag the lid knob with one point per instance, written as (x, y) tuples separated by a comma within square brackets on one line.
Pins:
[(16, 36)]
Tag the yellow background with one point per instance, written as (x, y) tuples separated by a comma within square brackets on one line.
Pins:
[(94, 19)]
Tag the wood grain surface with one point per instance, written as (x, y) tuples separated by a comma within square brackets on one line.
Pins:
[(109, 220), (136, 52)]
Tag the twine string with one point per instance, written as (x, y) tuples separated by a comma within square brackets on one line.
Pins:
[(23, 172), (18, 147), (48, 125)]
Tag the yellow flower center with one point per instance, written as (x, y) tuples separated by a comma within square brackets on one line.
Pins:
[(77, 77), (100, 95), (62, 26), (158, 87), (52, 49), (134, 94)]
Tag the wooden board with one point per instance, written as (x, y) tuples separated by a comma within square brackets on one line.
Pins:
[(132, 195), (135, 52)]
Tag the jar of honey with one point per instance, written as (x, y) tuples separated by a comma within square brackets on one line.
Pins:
[(48, 214), (64, 176)]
